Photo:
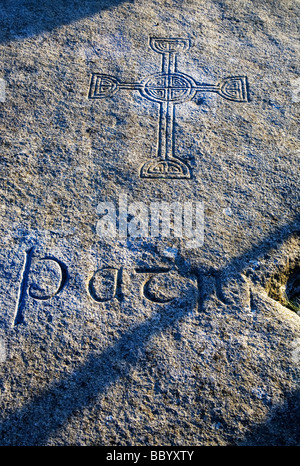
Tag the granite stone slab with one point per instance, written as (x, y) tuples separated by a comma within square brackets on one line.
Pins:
[(149, 201)]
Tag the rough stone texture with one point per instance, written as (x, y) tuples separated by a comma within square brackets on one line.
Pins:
[(206, 352)]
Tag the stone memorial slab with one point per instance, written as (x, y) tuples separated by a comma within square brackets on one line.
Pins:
[(149, 200)]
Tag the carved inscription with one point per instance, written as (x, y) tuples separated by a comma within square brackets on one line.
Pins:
[(43, 278), (158, 284), (53, 274), (105, 285), (168, 88), (152, 292)]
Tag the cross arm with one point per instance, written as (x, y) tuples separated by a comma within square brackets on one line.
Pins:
[(232, 88), (104, 85)]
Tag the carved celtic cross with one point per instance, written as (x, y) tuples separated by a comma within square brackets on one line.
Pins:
[(168, 88)]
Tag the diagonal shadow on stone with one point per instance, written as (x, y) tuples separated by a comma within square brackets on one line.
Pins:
[(33, 424), (27, 18), (280, 429)]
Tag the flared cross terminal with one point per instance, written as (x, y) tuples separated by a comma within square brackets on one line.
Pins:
[(168, 88)]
